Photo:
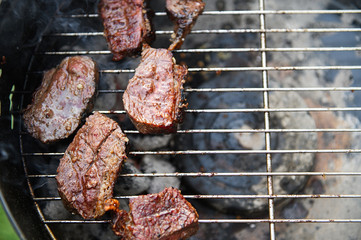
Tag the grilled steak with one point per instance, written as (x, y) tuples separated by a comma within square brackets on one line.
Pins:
[(90, 165), (127, 25), (184, 14), (165, 215), (65, 93), (153, 98)]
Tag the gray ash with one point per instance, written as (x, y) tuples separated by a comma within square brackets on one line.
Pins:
[(156, 164)]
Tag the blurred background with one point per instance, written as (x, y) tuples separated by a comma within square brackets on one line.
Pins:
[(6, 229)]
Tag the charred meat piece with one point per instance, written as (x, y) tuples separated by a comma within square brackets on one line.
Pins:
[(90, 165), (66, 92), (184, 14), (165, 215), (153, 98), (127, 25)]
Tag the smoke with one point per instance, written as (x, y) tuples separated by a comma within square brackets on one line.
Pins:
[(23, 21)]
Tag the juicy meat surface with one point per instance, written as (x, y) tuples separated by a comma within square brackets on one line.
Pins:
[(127, 25), (153, 98), (90, 165), (65, 93), (166, 215), (184, 14)]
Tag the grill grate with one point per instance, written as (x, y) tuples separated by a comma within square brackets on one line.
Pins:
[(264, 68)]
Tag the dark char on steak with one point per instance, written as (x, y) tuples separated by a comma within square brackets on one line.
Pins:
[(166, 215), (127, 25), (153, 98), (184, 14), (66, 92), (90, 166)]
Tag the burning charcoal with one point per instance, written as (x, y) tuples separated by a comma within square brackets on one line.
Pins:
[(153, 98), (155, 164), (184, 14), (66, 92), (127, 26), (165, 215), (90, 165), (131, 185), (245, 141), (150, 142)]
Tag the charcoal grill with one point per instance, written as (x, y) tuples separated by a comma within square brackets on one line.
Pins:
[(55, 43)]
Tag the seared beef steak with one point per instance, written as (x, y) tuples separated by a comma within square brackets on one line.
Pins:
[(153, 98), (184, 14), (165, 215), (127, 25), (66, 92), (90, 165)]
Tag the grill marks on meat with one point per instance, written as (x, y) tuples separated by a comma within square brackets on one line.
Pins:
[(65, 93), (165, 215), (90, 166), (153, 98), (184, 14), (127, 25)]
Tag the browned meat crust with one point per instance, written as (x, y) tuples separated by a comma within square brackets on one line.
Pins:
[(166, 215), (153, 98), (184, 14), (127, 25), (65, 93), (90, 165)]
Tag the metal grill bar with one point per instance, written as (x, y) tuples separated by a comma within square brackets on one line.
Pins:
[(218, 152), (315, 196), (245, 110), (247, 89), (237, 12), (219, 174), (234, 90), (189, 90), (259, 130), (271, 211), (285, 89), (238, 69), (272, 110), (191, 131), (279, 220), (217, 50), (225, 31), (242, 110), (223, 221), (235, 110)]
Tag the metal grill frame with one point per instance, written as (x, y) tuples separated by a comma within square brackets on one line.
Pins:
[(266, 110)]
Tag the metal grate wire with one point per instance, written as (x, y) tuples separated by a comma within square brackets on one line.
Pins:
[(264, 69)]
